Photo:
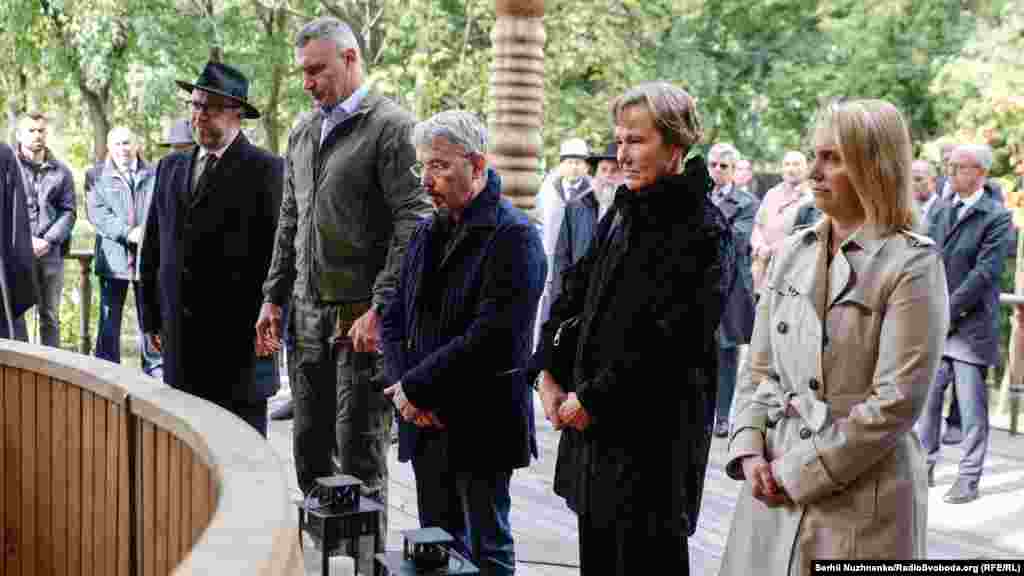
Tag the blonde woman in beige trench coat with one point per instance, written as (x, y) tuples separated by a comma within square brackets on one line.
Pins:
[(848, 337)]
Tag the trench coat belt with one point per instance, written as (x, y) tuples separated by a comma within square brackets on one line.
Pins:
[(782, 402)]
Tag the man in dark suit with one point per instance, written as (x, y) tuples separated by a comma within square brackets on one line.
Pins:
[(457, 337), (973, 234), (209, 239), (739, 209)]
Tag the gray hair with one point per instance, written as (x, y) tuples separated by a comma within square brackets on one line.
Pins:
[(118, 131), (673, 109), (981, 153), (456, 126), (328, 28), (724, 151)]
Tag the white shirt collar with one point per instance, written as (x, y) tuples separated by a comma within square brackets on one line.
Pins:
[(970, 200), (203, 151)]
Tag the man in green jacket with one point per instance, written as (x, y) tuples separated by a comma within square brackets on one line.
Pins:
[(350, 205)]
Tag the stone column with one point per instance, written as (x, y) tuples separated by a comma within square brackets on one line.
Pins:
[(517, 86)]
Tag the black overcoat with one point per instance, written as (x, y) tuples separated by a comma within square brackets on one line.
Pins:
[(204, 259), (650, 299)]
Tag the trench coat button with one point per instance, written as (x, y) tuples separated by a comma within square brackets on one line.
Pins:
[(782, 327), (805, 433), (813, 384)]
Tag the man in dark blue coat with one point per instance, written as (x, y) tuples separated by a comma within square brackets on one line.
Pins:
[(739, 208), (117, 207), (17, 291), (973, 234), (457, 338), (208, 242)]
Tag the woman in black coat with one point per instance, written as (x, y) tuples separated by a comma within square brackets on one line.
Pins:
[(638, 406)]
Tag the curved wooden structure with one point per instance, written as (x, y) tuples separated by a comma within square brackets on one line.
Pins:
[(105, 471), (517, 85)]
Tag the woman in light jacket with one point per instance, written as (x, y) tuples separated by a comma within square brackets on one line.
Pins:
[(849, 333)]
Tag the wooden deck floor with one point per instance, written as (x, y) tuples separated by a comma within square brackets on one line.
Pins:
[(545, 530)]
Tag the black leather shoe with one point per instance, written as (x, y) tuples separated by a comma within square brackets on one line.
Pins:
[(953, 436), (963, 491), (931, 475), (722, 428), (284, 412)]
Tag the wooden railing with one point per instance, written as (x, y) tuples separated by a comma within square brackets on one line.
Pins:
[(105, 471)]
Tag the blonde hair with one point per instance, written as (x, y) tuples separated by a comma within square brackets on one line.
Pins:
[(874, 144)]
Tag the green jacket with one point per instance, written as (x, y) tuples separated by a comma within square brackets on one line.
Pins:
[(348, 208)]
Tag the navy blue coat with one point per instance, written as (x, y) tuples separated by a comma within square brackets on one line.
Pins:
[(974, 253), (458, 332), (16, 259), (112, 204), (203, 262), (578, 228)]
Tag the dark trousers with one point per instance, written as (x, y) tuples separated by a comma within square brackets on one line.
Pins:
[(727, 365), (254, 413), (49, 274), (622, 549), (471, 506), (113, 292), (969, 381), (338, 406)]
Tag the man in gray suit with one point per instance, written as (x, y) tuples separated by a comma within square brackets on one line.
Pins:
[(739, 208), (923, 174), (973, 235)]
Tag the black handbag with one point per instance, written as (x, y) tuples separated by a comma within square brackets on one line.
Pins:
[(563, 352)]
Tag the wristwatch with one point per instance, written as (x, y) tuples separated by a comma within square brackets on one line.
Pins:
[(538, 380)]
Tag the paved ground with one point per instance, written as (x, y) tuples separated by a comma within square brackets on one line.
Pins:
[(545, 530)]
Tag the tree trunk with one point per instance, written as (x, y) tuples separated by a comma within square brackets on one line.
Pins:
[(97, 102), (276, 24)]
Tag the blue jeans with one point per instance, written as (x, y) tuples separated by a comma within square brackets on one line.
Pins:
[(969, 381), (108, 338), (471, 506)]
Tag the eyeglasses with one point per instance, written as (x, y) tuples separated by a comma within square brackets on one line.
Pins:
[(420, 169), (721, 165), (200, 107)]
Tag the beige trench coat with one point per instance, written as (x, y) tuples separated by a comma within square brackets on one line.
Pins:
[(832, 406)]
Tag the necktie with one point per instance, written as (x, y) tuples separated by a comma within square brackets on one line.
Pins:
[(209, 162)]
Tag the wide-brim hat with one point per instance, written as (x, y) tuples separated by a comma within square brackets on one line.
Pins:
[(610, 153), (223, 80), (180, 132)]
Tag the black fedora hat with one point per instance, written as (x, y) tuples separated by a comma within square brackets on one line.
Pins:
[(221, 79), (611, 153)]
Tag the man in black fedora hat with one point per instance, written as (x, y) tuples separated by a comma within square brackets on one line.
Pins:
[(208, 242), (583, 212)]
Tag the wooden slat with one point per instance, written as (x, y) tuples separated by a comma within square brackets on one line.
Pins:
[(4, 526), (147, 498), (100, 507), (123, 511), (75, 504), (110, 541), (162, 465), (28, 469), (44, 512), (187, 465), (174, 503), (59, 458), (12, 454), (200, 486), (88, 557)]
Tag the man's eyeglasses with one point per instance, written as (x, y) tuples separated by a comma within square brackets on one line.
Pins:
[(954, 168), (420, 169), (200, 107), (721, 165)]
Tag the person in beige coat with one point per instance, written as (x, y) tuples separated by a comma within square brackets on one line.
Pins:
[(848, 337)]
